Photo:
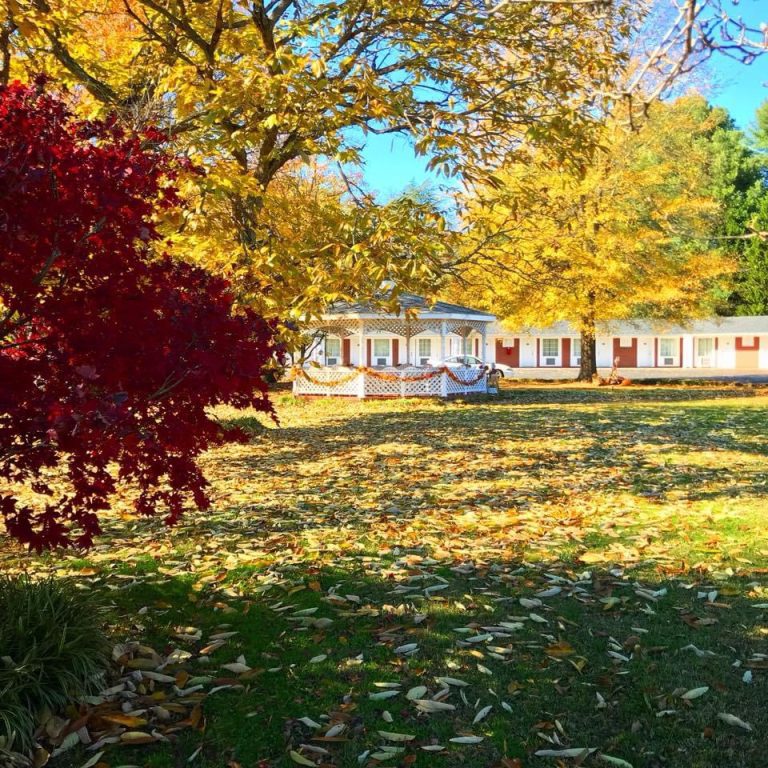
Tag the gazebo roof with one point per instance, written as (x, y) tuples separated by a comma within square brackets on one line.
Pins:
[(415, 315), (436, 310)]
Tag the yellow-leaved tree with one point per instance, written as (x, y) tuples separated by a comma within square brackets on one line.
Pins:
[(628, 237), (248, 88)]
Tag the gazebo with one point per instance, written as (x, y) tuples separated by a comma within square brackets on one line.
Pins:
[(358, 350)]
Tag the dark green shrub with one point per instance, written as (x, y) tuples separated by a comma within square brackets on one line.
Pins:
[(52, 650)]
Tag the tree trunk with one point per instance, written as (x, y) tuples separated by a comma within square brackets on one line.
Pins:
[(588, 370)]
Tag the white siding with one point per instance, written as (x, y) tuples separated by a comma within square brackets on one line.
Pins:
[(358, 351), (527, 351), (687, 352), (434, 351), (645, 352), (726, 351), (763, 354), (605, 352)]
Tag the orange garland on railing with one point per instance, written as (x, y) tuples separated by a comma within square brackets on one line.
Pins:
[(453, 376), (297, 371), (382, 376)]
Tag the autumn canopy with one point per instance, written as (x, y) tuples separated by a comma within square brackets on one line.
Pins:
[(110, 351)]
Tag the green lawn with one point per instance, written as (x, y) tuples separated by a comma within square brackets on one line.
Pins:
[(585, 562)]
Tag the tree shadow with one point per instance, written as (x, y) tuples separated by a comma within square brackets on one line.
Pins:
[(601, 663), (424, 523), (546, 451)]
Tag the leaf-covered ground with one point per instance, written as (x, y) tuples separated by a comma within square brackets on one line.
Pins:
[(559, 576)]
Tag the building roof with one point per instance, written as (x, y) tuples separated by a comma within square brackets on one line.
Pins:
[(408, 301), (744, 325)]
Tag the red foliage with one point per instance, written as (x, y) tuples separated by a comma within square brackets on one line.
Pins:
[(110, 353)]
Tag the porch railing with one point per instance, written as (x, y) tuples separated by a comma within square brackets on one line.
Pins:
[(389, 382)]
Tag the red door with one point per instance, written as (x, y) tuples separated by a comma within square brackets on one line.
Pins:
[(508, 355), (566, 347), (627, 356)]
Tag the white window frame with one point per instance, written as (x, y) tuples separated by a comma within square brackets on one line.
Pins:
[(388, 357), (575, 358), (625, 341), (337, 359), (423, 359), (508, 341), (711, 358), (556, 357), (675, 356)]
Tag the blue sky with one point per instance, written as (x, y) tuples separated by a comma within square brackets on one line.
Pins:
[(391, 166)]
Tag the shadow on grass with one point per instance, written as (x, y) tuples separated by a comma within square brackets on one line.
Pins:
[(598, 665), (650, 444), (339, 518)]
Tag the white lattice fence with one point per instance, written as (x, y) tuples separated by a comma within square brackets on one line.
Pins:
[(382, 387), (393, 382), (411, 382), (430, 387), (470, 381), (327, 381)]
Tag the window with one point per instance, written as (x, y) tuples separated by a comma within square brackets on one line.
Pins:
[(668, 347), (705, 349), (576, 350), (550, 347), (550, 351), (425, 351), (507, 342), (381, 351), (332, 351), (625, 341)]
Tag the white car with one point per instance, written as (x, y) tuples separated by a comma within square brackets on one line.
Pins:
[(470, 361)]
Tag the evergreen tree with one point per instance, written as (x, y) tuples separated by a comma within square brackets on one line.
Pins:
[(740, 183)]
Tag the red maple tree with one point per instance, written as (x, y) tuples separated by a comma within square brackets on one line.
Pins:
[(111, 352)]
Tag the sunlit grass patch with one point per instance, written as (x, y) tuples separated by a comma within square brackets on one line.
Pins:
[(597, 533)]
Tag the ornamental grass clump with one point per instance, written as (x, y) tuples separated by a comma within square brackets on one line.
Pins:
[(52, 651)]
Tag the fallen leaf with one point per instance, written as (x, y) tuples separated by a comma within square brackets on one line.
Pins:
[(734, 721), (383, 695), (482, 714), (389, 736), (695, 693), (428, 705), (300, 759)]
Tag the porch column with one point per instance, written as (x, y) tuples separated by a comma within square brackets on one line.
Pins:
[(361, 361), (483, 354), (442, 340), (408, 334)]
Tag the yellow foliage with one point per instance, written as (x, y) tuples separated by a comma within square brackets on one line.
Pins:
[(627, 237), (248, 90)]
